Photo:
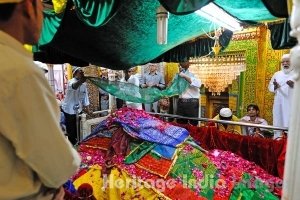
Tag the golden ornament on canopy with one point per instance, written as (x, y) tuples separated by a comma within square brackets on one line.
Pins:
[(216, 73), (217, 48)]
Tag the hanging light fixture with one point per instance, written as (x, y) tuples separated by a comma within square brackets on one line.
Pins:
[(216, 73), (217, 15), (162, 16)]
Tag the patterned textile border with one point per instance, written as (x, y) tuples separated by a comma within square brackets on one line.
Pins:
[(245, 88)]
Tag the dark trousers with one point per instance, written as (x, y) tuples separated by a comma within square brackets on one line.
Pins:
[(188, 108), (119, 103), (71, 128)]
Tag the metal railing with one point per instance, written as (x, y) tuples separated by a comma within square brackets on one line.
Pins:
[(221, 121), (101, 111), (86, 129)]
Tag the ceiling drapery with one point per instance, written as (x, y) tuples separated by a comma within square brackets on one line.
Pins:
[(198, 47), (127, 37), (182, 7), (95, 13), (280, 35)]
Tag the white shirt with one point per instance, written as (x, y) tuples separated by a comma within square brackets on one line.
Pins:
[(75, 97), (139, 76), (258, 120), (33, 150), (135, 92), (155, 78), (193, 90)]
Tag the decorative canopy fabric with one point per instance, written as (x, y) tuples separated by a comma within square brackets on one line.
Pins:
[(121, 34), (132, 93)]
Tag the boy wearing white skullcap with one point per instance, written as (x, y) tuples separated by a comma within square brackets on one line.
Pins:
[(226, 114)]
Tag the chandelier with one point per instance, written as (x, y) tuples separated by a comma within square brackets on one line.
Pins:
[(216, 73)]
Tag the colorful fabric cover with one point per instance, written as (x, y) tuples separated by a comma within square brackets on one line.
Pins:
[(190, 174)]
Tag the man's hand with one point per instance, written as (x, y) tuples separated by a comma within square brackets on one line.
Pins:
[(87, 110), (181, 74), (290, 83), (144, 85), (276, 84), (113, 109), (60, 194), (150, 85), (187, 78), (52, 193), (82, 79), (105, 97)]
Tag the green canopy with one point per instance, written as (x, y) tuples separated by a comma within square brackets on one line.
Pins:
[(121, 34)]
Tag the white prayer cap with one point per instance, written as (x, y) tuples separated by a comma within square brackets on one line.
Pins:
[(285, 57), (75, 69), (225, 112)]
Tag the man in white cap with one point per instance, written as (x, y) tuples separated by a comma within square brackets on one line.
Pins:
[(282, 84), (76, 99), (226, 114), (36, 159)]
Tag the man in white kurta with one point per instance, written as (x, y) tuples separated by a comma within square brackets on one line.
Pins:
[(282, 84)]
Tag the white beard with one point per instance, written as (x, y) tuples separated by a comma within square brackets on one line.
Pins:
[(288, 70)]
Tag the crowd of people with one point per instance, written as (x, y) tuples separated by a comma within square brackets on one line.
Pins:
[(282, 85), (187, 103)]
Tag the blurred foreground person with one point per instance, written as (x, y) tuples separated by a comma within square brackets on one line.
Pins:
[(35, 157)]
